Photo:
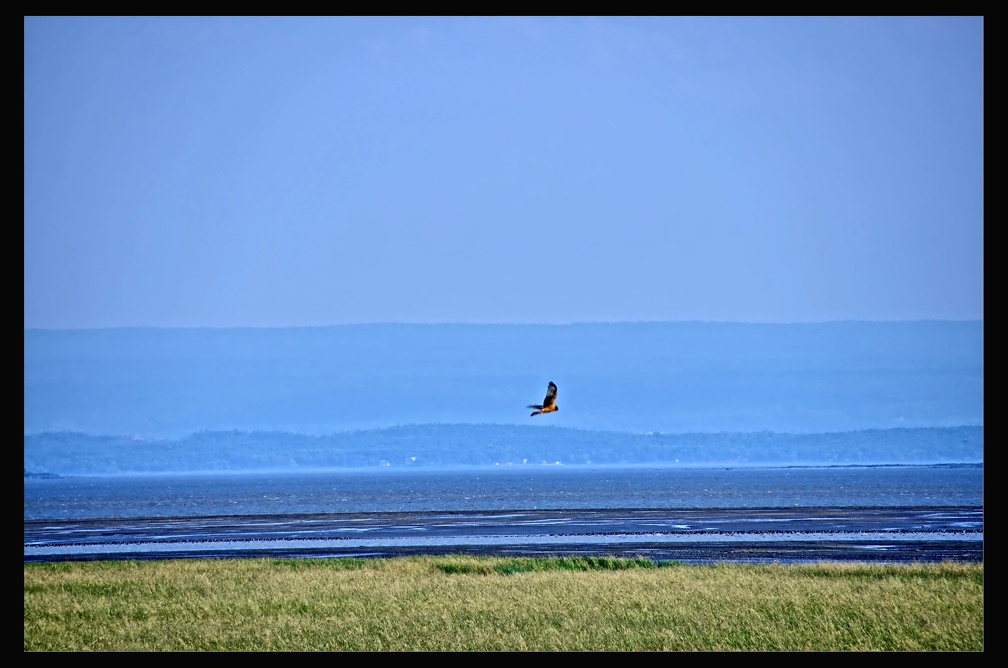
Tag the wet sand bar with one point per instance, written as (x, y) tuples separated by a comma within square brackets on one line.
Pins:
[(700, 535)]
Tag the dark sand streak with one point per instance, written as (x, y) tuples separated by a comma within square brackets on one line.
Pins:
[(701, 535)]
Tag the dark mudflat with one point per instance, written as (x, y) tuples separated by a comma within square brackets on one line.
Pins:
[(701, 535)]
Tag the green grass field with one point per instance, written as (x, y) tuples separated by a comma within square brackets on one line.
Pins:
[(473, 603)]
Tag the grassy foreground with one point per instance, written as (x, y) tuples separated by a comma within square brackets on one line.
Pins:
[(476, 603)]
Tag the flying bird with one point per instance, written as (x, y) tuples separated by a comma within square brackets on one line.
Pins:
[(548, 405)]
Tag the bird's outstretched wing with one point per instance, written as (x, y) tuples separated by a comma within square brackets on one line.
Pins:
[(550, 396)]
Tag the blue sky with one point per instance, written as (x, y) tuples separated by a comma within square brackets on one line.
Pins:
[(200, 171)]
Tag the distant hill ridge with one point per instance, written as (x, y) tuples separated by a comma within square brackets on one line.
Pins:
[(440, 446)]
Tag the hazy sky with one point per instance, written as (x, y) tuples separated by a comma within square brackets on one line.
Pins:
[(315, 171)]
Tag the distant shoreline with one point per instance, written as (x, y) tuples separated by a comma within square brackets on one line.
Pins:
[(521, 468)]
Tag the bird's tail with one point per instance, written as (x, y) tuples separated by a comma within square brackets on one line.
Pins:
[(535, 413)]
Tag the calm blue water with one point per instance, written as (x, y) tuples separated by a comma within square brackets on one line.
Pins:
[(492, 490), (154, 423)]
